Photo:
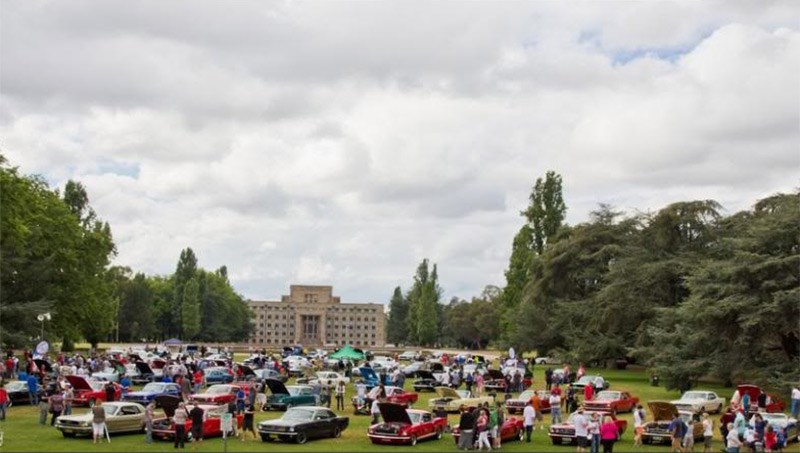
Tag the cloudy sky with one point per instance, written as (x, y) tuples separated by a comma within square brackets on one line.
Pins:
[(342, 142)]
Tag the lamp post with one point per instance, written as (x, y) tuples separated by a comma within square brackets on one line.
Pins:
[(42, 318)]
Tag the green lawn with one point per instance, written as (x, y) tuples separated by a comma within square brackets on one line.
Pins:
[(22, 432)]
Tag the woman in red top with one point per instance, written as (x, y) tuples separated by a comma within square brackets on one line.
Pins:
[(770, 438), (609, 433)]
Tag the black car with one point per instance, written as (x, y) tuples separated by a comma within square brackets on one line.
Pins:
[(303, 423), (145, 375), (425, 381), (18, 393)]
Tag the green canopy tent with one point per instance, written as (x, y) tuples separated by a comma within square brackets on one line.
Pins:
[(347, 352)]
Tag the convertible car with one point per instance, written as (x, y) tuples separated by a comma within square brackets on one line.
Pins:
[(612, 401), (164, 428), (89, 391), (405, 426), (663, 413), (284, 397), (514, 405), (513, 429), (565, 432), (216, 394), (303, 423), (151, 391), (451, 399), (121, 417)]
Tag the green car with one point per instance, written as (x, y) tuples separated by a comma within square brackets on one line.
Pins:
[(284, 397)]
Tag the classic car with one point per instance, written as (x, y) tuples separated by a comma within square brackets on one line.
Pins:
[(451, 399), (303, 423), (598, 382), (121, 417), (269, 373), (89, 391), (157, 365), (546, 360), (399, 396), (110, 373), (212, 363), (663, 414), (527, 376), (144, 373), (779, 421), (494, 380), (164, 428), (217, 375), (405, 426), (513, 429), (425, 381), (329, 379), (18, 393), (700, 401), (612, 401), (407, 356), (515, 405), (565, 432), (151, 391), (284, 397), (411, 369), (216, 394), (774, 404), (372, 378)]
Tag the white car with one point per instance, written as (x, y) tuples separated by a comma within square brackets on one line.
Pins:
[(407, 356), (387, 362), (329, 379), (546, 361), (699, 401)]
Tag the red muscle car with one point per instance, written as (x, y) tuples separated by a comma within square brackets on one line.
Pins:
[(565, 432), (495, 380), (88, 391), (512, 429), (612, 401), (216, 394), (518, 404), (774, 404), (399, 396), (164, 428), (405, 426)]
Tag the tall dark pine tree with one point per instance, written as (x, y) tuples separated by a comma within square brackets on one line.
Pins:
[(397, 327), (186, 270)]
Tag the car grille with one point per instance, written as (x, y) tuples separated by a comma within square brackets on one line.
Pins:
[(387, 429), (70, 423), (562, 431), (280, 429)]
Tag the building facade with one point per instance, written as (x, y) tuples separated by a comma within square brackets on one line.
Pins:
[(313, 316)]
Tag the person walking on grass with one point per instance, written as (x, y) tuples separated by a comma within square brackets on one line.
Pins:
[(248, 423), (483, 431), (340, 389), (180, 417), (528, 415), (465, 424), (148, 422), (638, 425), (196, 415), (708, 432), (98, 423)]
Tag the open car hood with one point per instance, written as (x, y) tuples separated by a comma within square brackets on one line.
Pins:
[(749, 389), (425, 374), (78, 382), (276, 387), (43, 365), (368, 373), (394, 413), (143, 368), (495, 374), (247, 371), (169, 403), (447, 392), (662, 410)]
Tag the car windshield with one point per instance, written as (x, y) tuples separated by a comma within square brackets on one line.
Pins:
[(463, 393), (154, 387), (608, 396), (298, 414), (693, 396), (775, 419), (17, 386), (415, 417), (217, 390), (294, 391), (586, 379), (96, 385), (109, 409), (526, 395)]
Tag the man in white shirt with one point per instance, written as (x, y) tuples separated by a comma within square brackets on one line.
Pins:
[(555, 408), (581, 424), (795, 401), (529, 415), (638, 425)]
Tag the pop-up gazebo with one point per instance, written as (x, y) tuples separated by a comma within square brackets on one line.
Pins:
[(347, 352)]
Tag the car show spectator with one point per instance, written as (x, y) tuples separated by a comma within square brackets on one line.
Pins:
[(588, 392), (676, 433), (33, 389), (708, 432), (581, 424), (375, 411), (3, 402), (148, 421), (638, 425), (179, 419), (56, 406), (196, 415), (98, 423), (795, 401), (110, 390), (609, 434), (732, 442), (594, 433), (555, 407), (340, 390), (44, 407), (465, 424), (528, 416), (482, 427)]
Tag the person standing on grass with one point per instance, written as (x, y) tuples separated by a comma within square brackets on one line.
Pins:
[(483, 431), (594, 433), (148, 422), (688, 437), (44, 407), (795, 401), (708, 432), (609, 433), (676, 433), (196, 415), (98, 423), (465, 424), (56, 406), (528, 416), (69, 396), (340, 389), (240, 401), (3, 402), (555, 407), (548, 378), (198, 380), (638, 425), (536, 402), (581, 424), (110, 391), (588, 392), (180, 417), (33, 389), (732, 442)]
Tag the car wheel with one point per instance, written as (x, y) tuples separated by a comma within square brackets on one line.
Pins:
[(337, 432), (301, 438), (438, 433), (413, 440)]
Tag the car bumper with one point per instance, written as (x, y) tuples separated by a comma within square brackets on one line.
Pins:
[(77, 430), (163, 434), (387, 439), (275, 432)]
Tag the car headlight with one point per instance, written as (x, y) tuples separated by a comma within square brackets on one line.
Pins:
[(85, 424), (291, 429)]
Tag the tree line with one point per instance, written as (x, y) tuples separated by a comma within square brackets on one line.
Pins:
[(686, 290), (55, 256)]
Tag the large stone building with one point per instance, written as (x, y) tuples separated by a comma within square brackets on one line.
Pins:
[(313, 316)]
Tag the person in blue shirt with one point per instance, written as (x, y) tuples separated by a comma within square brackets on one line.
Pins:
[(33, 389), (677, 432), (240, 401), (126, 384), (166, 378)]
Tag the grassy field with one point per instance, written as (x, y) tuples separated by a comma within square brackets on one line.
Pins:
[(22, 432)]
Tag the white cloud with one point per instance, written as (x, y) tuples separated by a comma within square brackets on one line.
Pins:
[(342, 143)]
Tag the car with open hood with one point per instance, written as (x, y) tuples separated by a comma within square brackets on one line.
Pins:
[(164, 427), (565, 432), (372, 378), (774, 404), (513, 429), (663, 413), (285, 397), (612, 401), (407, 356), (121, 417), (405, 426), (451, 400), (425, 381), (598, 382), (87, 392), (700, 401), (150, 391), (779, 421), (517, 405), (299, 424), (143, 375), (216, 394)]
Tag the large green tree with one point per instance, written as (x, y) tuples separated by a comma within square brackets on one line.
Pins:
[(397, 326), (423, 298)]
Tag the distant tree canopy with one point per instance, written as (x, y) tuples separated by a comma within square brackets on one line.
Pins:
[(55, 257)]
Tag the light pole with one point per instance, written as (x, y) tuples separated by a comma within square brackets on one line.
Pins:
[(42, 317)]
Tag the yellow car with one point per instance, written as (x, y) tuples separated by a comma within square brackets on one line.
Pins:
[(452, 400), (121, 417)]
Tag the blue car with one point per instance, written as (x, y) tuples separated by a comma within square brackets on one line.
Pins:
[(218, 376), (371, 378), (151, 391)]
